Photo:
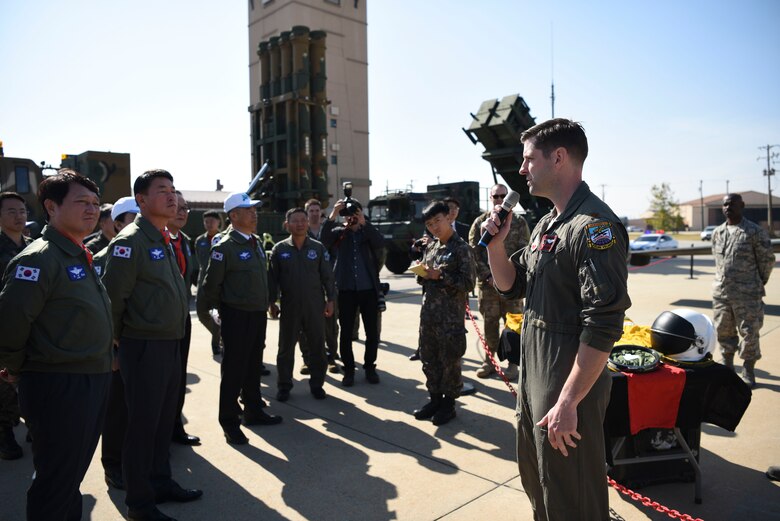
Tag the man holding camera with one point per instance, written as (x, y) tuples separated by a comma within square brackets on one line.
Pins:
[(357, 245)]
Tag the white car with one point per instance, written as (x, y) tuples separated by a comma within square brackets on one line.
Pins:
[(653, 241), (706, 233)]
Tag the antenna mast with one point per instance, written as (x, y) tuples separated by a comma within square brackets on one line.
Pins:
[(552, 71)]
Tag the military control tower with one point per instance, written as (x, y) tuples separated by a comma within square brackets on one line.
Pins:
[(309, 98)]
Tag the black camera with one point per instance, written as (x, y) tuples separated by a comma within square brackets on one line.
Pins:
[(351, 206)]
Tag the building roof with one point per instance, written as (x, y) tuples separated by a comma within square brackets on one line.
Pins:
[(751, 198), (205, 198)]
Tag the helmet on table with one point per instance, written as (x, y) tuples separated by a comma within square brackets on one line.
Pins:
[(683, 335)]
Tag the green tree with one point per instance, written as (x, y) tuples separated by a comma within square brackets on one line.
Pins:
[(666, 210)]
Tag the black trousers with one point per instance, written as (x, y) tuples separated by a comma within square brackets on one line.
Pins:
[(184, 355), (64, 413), (114, 426), (349, 303), (150, 371), (205, 318), (243, 334)]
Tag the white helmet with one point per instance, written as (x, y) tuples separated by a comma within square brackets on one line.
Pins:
[(683, 335)]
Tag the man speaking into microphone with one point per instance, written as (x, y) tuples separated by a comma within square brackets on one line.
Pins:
[(573, 276)]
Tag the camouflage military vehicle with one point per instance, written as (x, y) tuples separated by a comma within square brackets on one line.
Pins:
[(398, 216)]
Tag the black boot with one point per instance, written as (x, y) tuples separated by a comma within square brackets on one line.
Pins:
[(446, 411), (9, 449), (429, 409)]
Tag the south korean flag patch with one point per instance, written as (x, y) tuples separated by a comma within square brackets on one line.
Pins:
[(25, 273), (123, 252), (600, 235), (217, 256)]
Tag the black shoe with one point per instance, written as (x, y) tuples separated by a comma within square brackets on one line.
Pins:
[(261, 418), (234, 436), (150, 515), (446, 411), (414, 356), (773, 473), (264, 371), (349, 379), (371, 375), (114, 480), (182, 438), (318, 393), (9, 449), (283, 395), (176, 493), (215, 349), (429, 409), (332, 367)]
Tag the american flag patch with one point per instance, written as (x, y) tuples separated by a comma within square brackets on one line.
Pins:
[(25, 273), (123, 252)]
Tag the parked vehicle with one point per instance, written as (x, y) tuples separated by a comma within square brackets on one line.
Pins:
[(653, 241), (706, 233)]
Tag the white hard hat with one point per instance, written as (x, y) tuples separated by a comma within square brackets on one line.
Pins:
[(124, 205)]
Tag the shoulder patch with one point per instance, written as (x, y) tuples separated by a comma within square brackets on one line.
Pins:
[(25, 273), (76, 272), (311, 254), (217, 256), (215, 240), (98, 269), (600, 235), (123, 252), (156, 254)]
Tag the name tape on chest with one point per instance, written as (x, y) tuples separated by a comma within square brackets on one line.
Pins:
[(76, 272), (123, 252), (26, 273), (600, 235)]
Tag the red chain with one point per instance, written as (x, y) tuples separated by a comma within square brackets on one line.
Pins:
[(646, 501), (489, 354)]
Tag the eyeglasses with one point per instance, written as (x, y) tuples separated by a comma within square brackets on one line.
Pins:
[(498, 196), (184, 209)]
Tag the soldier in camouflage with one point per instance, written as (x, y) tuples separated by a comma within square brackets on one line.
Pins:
[(492, 306), (743, 262), (448, 279), (13, 216)]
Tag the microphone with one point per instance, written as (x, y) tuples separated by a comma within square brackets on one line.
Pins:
[(511, 199)]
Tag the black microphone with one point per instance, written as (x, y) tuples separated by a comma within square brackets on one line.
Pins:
[(511, 199)]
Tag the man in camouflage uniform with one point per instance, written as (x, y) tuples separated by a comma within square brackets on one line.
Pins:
[(574, 278), (492, 306), (13, 216), (448, 279), (743, 262)]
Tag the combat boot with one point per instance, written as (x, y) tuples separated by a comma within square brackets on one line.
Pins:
[(728, 360), (9, 449), (748, 376), (446, 411), (429, 409)]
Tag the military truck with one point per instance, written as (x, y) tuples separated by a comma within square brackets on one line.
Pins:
[(498, 126), (398, 216)]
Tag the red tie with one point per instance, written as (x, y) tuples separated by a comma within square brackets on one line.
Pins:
[(166, 236), (84, 249), (180, 260)]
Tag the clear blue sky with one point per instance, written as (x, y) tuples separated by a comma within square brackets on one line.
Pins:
[(672, 92)]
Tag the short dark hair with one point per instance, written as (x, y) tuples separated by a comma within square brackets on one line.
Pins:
[(212, 213), (56, 187), (293, 211), (556, 133), (434, 209), (452, 200), (312, 202), (105, 212), (144, 181), (122, 216), (10, 195)]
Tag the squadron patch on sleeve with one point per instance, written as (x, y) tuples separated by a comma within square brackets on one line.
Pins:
[(599, 234)]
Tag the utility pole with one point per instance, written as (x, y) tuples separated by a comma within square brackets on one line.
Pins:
[(552, 74), (769, 172), (701, 202), (727, 187), (602, 193)]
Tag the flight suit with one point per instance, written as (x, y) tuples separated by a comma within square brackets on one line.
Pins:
[(190, 270), (236, 283), (56, 334), (304, 277), (743, 263), (442, 333), (9, 400), (573, 277), (149, 304)]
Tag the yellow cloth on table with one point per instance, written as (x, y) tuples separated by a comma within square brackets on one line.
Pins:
[(635, 335), (514, 321)]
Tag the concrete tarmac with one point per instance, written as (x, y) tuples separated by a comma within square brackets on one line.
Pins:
[(360, 455)]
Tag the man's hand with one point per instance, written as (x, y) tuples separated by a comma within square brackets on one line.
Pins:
[(491, 225), (334, 214), (432, 273), (115, 358), (561, 423), (273, 309), (329, 309), (361, 219), (8, 377)]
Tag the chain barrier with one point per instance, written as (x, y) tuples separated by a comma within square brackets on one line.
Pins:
[(636, 496)]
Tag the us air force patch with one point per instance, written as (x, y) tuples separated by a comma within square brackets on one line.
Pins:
[(123, 252), (600, 236), (311, 254), (76, 272), (216, 256), (25, 273)]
